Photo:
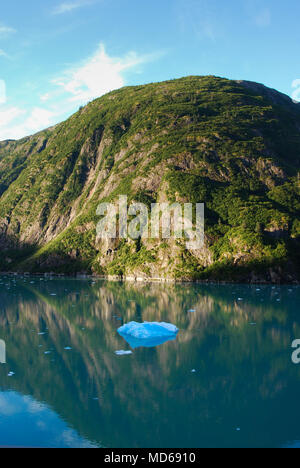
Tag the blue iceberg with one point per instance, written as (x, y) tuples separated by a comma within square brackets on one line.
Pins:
[(148, 334)]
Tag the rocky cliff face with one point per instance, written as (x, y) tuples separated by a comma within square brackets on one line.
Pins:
[(234, 146)]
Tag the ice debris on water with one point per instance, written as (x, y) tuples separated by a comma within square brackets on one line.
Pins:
[(148, 334), (10, 374), (123, 353), (67, 348), (148, 329)]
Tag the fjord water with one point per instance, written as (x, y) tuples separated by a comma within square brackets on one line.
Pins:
[(227, 380)]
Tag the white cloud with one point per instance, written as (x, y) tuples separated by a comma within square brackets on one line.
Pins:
[(9, 115), (45, 97), (199, 17), (263, 19), (296, 93), (67, 7), (98, 75), (77, 85), (5, 30), (12, 127), (2, 92)]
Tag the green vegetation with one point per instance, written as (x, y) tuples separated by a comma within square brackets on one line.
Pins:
[(233, 145)]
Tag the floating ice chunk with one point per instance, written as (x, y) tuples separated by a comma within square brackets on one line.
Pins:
[(148, 329), (47, 352), (10, 374), (67, 348), (148, 334), (193, 371), (191, 310), (123, 353)]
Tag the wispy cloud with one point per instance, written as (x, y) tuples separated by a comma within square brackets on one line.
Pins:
[(16, 122), (6, 30), (99, 74), (67, 7), (263, 19), (199, 17), (296, 92), (95, 76), (2, 92)]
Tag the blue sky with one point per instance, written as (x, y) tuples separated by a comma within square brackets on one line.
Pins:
[(56, 55)]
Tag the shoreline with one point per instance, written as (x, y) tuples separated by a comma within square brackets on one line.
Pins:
[(140, 280)]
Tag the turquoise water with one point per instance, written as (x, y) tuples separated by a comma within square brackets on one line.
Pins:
[(227, 380)]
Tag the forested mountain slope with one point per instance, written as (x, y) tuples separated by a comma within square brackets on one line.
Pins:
[(233, 145)]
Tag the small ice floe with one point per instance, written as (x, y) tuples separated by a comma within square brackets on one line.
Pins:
[(192, 310), (52, 294), (123, 353), (42, 333), (148, 334), (10, 374), (148, 329), (67, 348), (240, 299), (238, 429), (193, 371), (47, 352)]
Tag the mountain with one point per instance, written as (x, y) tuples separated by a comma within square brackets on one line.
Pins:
[(233, 145)]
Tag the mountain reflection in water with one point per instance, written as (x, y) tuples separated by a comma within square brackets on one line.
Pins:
[(60, 338)]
